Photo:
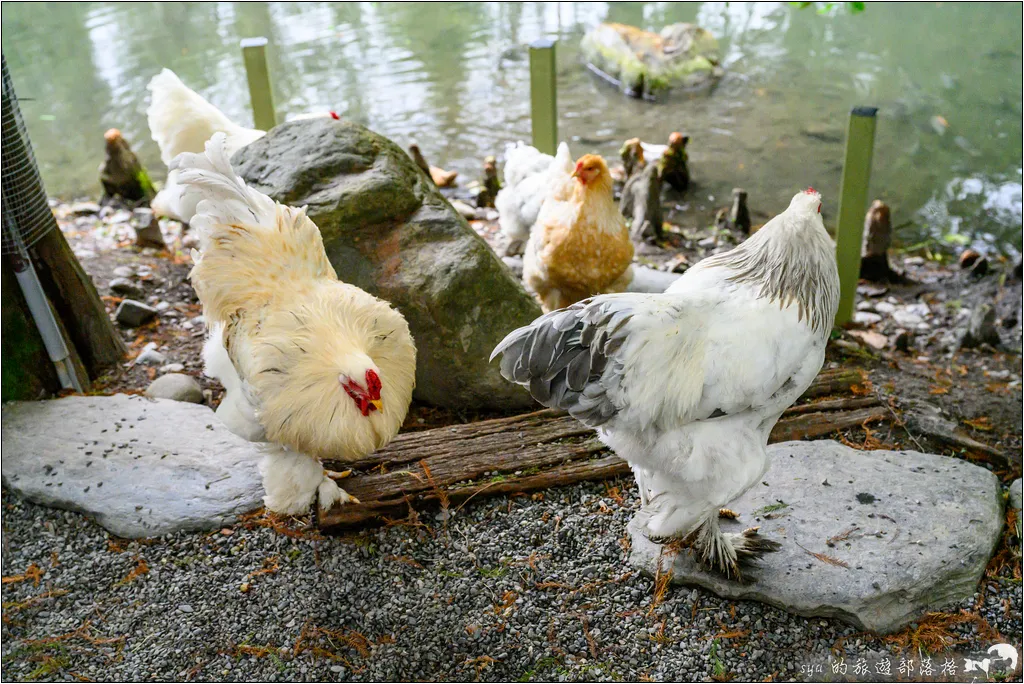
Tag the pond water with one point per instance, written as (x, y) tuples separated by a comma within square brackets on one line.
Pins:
[(454, 78)]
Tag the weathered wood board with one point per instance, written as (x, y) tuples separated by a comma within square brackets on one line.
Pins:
[(450, 465)]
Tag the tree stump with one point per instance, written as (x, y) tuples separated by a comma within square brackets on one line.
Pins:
[(491, 184), (121, 173), (675, 171), (641, 203), (874, 261), (737, 216), (632, 154)]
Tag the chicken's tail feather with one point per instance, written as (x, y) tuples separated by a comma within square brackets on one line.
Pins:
[(222, 196), (180, 119), (247, 241)]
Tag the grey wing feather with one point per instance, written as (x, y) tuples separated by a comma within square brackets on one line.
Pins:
[(566, 358)]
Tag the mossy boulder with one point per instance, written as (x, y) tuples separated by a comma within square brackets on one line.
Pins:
[(388, 230), (645, 64)]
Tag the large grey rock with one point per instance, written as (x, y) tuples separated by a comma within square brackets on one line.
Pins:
[(141, 467), (913, 533), (387, 229), (176, 386)]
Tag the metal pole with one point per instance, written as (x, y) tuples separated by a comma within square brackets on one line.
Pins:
[(853, 202), (255, 56), (543, 96)]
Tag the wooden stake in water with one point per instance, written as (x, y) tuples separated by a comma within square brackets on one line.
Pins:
[(543, 96), (853, 202), (255, 56)]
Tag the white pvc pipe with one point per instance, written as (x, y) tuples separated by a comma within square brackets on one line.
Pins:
[(39, 307)]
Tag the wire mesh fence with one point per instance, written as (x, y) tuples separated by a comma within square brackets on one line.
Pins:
[(27, 214)]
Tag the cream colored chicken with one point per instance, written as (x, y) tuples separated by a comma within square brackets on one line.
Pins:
[(579, 246), (318, 368)]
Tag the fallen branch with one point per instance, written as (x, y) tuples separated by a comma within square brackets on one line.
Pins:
[(818, 424)]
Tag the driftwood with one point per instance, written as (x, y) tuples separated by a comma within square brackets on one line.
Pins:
[(439, 176), (547, 448), (927, 419)]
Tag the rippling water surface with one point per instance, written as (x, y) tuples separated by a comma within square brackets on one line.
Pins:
[(454, 78)]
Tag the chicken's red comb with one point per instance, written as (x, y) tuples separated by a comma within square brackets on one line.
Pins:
[(811, 191), (334, 115)]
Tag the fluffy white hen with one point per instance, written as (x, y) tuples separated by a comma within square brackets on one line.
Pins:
[(530, 177), (687, 385), (319, 368), (181, 120)]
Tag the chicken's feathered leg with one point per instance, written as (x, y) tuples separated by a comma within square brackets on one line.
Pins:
[(293, 480), (641, 483)]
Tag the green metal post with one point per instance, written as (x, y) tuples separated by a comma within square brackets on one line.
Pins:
[(543, 96), (853, 202), (255, 56)]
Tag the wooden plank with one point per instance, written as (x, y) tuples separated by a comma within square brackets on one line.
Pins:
[(546, 448)]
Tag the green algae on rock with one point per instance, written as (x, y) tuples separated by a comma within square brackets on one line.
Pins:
[(645, 64)]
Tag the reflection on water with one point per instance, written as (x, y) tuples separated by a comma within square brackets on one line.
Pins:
[(456, 82)]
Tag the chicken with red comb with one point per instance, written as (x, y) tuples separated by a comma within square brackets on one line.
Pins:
[(686, 385), (318, 368), (580, 245)]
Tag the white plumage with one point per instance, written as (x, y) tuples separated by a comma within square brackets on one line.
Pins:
[(687, 385), (318, 368), (529, 177), (181, 120)]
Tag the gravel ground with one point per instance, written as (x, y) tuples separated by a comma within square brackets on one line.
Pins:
[(529, 588)]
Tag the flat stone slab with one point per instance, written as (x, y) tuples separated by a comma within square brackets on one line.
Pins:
[(141, 467), (898, 533)]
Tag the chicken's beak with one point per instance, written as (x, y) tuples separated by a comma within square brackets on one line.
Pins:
[(377, 404), (575, 173)]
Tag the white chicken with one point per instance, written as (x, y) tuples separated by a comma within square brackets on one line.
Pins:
[(687, 385), (320, 368), (181, 120), (530, 176)]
